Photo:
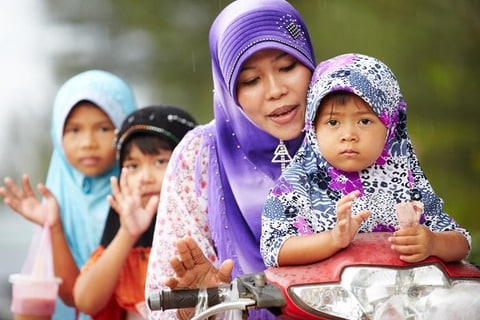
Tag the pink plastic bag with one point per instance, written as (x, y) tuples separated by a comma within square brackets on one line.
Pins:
[(35, 289), (408, 213)]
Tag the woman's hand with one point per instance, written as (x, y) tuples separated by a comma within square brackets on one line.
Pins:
[(22, 200), (193, 270)]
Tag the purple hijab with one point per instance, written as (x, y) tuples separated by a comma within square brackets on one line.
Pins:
[(241, 171)]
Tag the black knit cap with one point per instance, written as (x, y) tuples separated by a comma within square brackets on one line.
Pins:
[(168, 122)]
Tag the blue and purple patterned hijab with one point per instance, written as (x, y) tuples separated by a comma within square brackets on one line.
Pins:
[(241, 171), (303, 200)]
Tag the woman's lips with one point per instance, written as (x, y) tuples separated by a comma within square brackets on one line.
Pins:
[(284, 114)]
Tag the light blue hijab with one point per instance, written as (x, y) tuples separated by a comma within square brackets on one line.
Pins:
[(82, 199)]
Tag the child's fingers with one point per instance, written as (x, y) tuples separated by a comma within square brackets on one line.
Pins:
[(152, 205), (347, 199), (13, 189), (115, 188), (27, 187), (113, 203), (124, 186), (361, 216), (44, 191)]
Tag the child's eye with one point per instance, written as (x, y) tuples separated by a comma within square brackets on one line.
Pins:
[(162, 162), (332, 122), (106, 128), (71, 130), (365, 121), (130, 166)]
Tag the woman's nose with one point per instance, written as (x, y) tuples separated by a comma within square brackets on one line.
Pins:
[(276, 87)]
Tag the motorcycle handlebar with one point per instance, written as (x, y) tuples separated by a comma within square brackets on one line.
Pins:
[(184, 298)]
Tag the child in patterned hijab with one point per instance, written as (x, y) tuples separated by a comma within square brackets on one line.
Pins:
[(356, 171)]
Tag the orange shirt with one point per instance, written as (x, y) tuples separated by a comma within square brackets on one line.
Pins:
[(130, 288)]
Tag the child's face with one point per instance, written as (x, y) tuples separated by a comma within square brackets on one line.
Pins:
[(88, 137), (146, 171), (272, 90), (351, 137)]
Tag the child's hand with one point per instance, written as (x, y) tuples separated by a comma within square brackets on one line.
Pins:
[(347, 225), (127, 202), (23, 200), (413, 243)]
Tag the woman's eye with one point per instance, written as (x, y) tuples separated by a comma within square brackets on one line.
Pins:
[(289, 67), (249, 82)]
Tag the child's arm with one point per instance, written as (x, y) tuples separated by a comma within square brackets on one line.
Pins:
[(96, 283), (312, 248), (23, 200), (417, 243)]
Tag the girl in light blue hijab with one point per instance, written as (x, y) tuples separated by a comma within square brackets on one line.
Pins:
[(88, 109)]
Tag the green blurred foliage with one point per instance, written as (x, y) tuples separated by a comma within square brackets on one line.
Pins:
[(432, 46)]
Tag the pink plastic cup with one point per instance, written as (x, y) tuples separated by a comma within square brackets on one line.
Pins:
[(33, 296)]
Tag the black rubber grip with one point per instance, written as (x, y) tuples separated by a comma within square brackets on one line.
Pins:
[(176, 299)]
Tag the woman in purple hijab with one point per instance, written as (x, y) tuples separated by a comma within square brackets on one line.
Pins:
[(220, 173)]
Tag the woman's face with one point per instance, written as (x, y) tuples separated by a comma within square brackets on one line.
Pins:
[(272, 90)]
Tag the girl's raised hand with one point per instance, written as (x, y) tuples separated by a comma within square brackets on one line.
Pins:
[(347, 225), (126, 200), (22, 200)]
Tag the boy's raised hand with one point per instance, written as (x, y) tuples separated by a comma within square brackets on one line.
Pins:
[(347, 225), (127, 202), (22, 200)]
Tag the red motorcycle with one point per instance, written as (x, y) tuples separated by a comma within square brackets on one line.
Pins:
[(366, 280)]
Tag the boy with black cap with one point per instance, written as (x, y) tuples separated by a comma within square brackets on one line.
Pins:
[(112, 283)]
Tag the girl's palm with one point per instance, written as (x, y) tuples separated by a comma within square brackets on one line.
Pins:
[(127, 202), (23, 200)]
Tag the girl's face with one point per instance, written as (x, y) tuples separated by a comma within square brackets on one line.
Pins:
[(146, 171), (350, 136), (88, 137), (272, 90)]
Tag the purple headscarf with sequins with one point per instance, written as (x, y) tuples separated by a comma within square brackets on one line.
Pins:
[(241, 171)]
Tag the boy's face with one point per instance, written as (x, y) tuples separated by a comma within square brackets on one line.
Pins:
[(350, 136), (146, 171), (88, 137)]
